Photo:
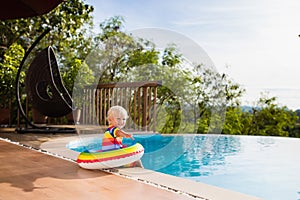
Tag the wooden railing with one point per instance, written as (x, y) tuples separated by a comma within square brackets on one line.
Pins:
[(138, 98)]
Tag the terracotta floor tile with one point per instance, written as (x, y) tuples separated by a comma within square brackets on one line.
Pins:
[(28, 174)]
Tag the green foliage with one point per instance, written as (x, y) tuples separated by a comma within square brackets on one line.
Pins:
[(118, 52), (203, 123), (65, 21), (76, 78), (172, 120), (8, 72), (170, 58), (79, 72), (233, 122), (271, 119), (110, 28)]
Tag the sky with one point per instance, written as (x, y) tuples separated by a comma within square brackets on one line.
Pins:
[(255, 42)]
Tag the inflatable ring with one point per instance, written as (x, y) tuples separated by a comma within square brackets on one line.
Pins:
[(110, 159)]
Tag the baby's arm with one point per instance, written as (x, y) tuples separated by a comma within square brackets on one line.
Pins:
[(121, 133)]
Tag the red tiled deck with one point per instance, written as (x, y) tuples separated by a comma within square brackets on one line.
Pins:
[(28, 174)]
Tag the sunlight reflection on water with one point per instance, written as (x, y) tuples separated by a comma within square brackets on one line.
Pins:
[(266, 167), (247, 164)]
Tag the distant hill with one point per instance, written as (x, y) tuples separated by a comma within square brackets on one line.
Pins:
[(249, 108), (246, 108)]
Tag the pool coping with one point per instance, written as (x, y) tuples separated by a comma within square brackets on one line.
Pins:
[(197, 190)]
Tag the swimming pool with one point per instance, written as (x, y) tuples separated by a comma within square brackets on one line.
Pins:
[(266, 167)]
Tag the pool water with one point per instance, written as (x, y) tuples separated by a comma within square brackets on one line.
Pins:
[(266, 167)]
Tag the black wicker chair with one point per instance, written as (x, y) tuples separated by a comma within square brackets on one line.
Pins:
[(45, 91), (44, 86)]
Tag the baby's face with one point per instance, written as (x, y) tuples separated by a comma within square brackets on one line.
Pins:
[(118, 120)]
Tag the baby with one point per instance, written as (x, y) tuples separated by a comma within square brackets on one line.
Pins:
[(114, 134)]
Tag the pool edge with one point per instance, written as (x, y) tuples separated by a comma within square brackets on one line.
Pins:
[(176, 184)]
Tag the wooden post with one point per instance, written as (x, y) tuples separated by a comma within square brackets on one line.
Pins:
[(134, 109), (144, 119), (154, 108)]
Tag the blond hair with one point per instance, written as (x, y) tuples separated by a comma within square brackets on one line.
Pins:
[(116, 110)]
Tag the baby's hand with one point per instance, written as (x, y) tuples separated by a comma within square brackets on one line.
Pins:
[(131, 136)]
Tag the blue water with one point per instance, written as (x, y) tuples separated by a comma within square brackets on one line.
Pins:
[(266, 167)]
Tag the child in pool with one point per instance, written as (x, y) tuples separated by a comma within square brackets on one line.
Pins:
[(114, 134)]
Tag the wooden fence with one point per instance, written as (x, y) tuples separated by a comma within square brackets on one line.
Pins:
[(138, 98)]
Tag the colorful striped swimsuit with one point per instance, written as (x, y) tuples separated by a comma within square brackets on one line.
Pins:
[(110, 140)]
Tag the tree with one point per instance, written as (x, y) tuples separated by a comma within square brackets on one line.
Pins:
[(188, 94), (212, 94), (8, 72), (233, 121), (270, 119), (116, 53), (65, 21), (9, 67)]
